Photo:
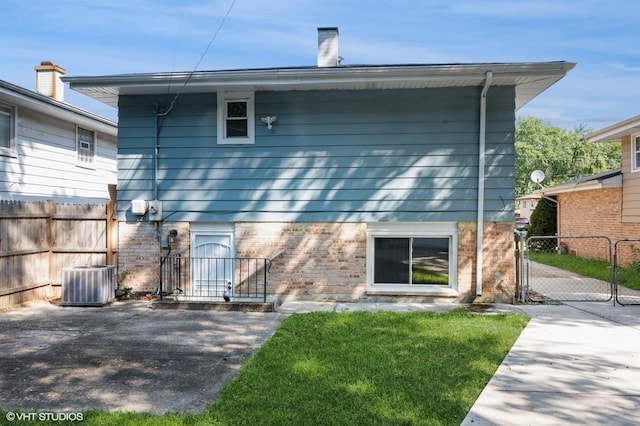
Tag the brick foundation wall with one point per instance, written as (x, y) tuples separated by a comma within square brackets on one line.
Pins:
[(498, 261), (596, 212), (138, 253), (319, 261)]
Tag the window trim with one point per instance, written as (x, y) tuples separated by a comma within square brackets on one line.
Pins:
[(413, 230), (223, 99), (10, 151), (635, 149), (79, 162)]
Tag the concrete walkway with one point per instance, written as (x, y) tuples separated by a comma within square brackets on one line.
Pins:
[(574, 364)]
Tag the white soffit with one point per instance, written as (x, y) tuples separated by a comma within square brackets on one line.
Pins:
[(530, 79), (616, 131)]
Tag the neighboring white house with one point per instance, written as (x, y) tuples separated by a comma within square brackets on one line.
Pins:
[(50, 150), (528, 203)]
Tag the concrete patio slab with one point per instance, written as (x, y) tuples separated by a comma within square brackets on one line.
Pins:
[(125, 356)]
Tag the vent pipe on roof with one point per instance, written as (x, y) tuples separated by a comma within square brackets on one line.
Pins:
[(328, 47), (48, 82)]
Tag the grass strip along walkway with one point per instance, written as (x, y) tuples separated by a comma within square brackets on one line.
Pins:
[(357, 368)]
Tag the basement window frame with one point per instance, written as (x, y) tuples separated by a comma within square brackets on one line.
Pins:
[(412, 231), (224, 101)]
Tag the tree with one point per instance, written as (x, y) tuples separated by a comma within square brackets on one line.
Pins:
[(543, 220), (562, 155)]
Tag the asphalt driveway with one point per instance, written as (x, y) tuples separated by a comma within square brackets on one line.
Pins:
[(125, 356)]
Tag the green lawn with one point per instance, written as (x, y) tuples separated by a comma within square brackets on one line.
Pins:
[(599, 269), (357, 368)]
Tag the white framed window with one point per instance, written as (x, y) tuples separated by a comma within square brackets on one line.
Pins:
[(635, 152), (85, 147), (412, 258), (7, 130), (236, 118)]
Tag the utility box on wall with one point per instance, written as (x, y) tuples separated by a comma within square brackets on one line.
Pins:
[(139, 207), (155, 210)]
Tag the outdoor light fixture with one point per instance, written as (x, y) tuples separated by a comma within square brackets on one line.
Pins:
[(269, 120)]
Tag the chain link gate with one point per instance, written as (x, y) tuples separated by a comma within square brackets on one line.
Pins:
[(540, 281), (626, 252)]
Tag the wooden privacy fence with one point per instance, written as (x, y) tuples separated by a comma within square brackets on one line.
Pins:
[(38, 239)]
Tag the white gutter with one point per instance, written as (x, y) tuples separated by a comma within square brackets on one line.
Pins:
[(53, 108), (615, 132), (531, 78), (481, 165)]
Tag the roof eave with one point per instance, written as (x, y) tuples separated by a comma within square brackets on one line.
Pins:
[(25, 98), (616, 132), (531, 79), (613, 181)]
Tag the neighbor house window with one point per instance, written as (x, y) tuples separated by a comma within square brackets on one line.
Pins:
[(635, 152), (7, 135), (236, 118), (412, 258), (85, 146)]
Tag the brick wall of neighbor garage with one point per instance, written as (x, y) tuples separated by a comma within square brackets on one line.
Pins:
[(320, 261), (595, 212)]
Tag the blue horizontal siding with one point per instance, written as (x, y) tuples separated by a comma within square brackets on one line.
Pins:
[(400, 155)]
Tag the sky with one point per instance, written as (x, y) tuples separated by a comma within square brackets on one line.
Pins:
[(100, 37)]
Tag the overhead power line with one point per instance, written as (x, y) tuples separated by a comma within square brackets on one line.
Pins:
[(215, 34)]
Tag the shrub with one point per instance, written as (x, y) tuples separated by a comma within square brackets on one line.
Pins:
[(542, 223)]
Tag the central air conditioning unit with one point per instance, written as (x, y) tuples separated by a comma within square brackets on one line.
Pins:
[(93, 285)]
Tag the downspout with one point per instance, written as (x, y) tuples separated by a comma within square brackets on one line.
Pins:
[(156, 153), (481, 165), (156, 148)]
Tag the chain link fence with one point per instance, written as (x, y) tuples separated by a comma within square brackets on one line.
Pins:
[(544, 280), (626, 266)]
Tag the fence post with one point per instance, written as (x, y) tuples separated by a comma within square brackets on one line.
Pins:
[(109, 228), (161, 277), (264, 292), (520, 276), (51, 238)]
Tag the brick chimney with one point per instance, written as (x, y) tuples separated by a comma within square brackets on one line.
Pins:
[(48, 80), (328, 47)]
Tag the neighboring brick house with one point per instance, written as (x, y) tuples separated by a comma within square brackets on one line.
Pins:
[(614, 209), (592, 206), (351, 178)]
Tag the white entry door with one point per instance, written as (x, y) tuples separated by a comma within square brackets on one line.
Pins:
[(212, 255)]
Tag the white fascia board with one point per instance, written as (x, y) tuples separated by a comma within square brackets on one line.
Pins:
[(538, 76), (615, 132), (612, 182), (59, 110)]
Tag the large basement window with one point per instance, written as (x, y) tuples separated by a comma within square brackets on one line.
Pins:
[(236, 118), (412, 258)]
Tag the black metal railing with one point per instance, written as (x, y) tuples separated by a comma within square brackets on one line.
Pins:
[(214, 279)]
